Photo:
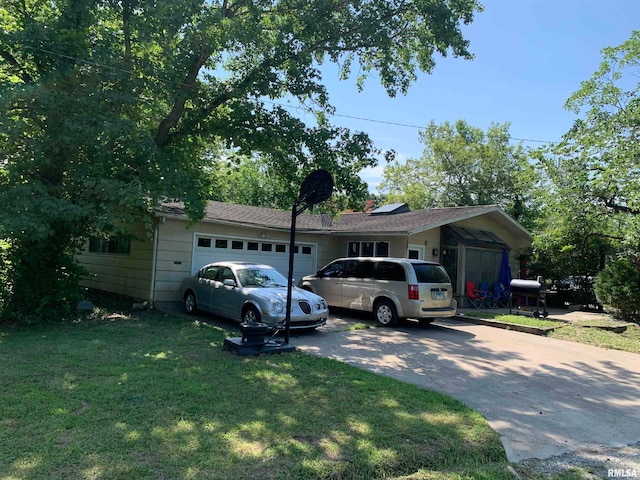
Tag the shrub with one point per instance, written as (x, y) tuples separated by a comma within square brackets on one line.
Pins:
[(618, 288), (39, 282)]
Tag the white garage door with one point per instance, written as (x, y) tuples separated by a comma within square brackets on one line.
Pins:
[(219, 248)]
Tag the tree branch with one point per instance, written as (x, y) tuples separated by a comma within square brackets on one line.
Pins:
[(620, 208), (163, 136), (11, 60)]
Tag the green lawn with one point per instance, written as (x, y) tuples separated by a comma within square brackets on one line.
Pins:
[(628, 341), (579, 331), (515, 319), (146, 395)]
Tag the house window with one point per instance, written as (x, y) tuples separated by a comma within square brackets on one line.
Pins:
[(237, 245), (120, 244), (368, 249), (382, 249), (267, 247), (204, 242), (304, 249), (280, 248), (252, 245), (221, 243)]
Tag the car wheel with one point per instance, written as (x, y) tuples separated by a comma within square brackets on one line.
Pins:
[(251, 315), (386, 314), (190, 303)]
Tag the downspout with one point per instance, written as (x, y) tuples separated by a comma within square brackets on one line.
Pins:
[(156, 233)]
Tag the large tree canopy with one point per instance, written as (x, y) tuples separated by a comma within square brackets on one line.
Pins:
[(592, 208), (594, 173), (463, 165), (108, 106)]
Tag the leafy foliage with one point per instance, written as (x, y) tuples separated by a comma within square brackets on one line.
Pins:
[(462, 165), (618, 287), (592, 207), (111, 107)]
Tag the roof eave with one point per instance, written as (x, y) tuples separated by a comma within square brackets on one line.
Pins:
[(524, 234)]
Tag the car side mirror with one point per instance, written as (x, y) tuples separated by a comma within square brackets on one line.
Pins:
[(228, 282)]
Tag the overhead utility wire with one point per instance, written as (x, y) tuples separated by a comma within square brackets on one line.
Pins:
[(406, 125), (364, 119)]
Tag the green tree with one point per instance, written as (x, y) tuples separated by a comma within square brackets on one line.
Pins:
[(251, 181), (597, 163), (111, 106), (592, 209), (463, 165), (618, 287)]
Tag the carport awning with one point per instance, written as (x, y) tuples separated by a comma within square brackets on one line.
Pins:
[(476, 238)]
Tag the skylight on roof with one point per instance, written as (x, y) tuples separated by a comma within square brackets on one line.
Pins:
[(391, 209)]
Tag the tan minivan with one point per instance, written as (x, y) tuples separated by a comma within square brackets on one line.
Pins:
[(391, 288)]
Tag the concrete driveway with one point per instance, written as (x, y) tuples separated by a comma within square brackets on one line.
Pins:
[(544, 396)]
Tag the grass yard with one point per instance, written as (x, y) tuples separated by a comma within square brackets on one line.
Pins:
[(579, 331), (628, 341), (146, 395), (515, 319)]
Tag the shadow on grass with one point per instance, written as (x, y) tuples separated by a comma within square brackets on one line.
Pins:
[(149, 395)]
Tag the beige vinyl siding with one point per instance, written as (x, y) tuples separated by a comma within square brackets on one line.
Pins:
[(122, 274), (428, 239), (329, 248), (176, 243), (173, 258)]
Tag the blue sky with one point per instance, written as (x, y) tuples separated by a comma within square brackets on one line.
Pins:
[(531, 55)]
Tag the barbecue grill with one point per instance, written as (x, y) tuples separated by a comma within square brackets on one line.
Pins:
[(529, 295)]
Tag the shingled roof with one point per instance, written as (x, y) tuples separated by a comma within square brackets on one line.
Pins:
[(220, 212), (408, 222)]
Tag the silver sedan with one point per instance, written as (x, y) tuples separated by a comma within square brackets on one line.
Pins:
[(251, 293)]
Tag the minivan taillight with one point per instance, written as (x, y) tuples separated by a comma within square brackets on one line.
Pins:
[(414, 292)]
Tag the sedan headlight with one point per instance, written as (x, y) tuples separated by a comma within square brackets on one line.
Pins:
[(277, 307)]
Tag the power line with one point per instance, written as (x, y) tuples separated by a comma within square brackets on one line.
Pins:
[(168, 81), (424, 128), (397, 124)]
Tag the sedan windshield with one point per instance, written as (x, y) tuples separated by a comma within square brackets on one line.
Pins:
[(261, 277)]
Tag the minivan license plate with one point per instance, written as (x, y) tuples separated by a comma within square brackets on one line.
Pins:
[(438, 295)]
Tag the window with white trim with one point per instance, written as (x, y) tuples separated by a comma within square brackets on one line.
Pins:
[(367, 249), (120, 244)]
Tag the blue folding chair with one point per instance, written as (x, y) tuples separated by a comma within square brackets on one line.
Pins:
[(501, 295), (489, 299)]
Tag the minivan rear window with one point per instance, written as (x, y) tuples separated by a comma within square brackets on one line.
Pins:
[(427, 273), (390, 271)]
